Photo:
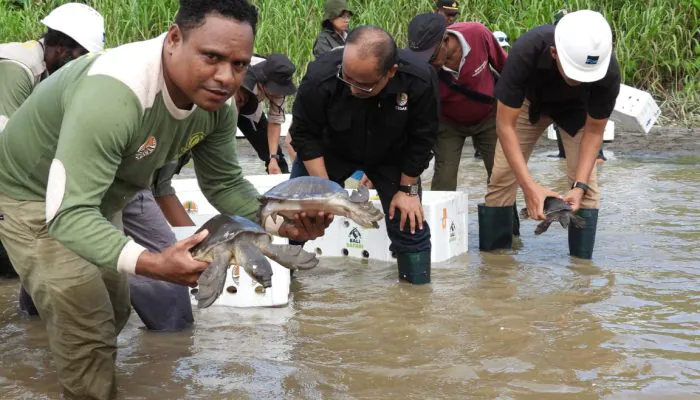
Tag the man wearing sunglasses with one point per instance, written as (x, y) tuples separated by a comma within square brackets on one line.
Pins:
[(373, 107)]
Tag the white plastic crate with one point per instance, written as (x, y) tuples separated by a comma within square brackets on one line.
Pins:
[(608, 134), (240, 290), (635, 109), (445, 213)]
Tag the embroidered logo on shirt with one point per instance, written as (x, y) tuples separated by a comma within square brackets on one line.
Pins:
[(147, 148), (401, 101), (480, 68), (592, 60), (191, 142)]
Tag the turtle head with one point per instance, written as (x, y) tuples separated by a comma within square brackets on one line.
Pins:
[(361, 195)]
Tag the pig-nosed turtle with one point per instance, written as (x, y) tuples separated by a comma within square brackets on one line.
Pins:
[(556, 209), (239, 241), (313, 193)]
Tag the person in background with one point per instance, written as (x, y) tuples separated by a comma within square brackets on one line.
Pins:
[(267, 80), (467, 57), (568, 74), (334, 27), (448, 9)]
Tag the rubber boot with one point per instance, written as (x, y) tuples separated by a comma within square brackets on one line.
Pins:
[(414, 267), (516, 221), (495, 227), (582, 240)]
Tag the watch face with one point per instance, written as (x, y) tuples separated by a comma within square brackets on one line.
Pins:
[(414, 189)]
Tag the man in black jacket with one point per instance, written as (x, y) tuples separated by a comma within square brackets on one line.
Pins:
[(373, 107)]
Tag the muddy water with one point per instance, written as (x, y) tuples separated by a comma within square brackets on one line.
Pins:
[(530, 323)]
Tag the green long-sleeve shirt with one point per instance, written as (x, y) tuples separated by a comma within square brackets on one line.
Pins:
[(93, 134)]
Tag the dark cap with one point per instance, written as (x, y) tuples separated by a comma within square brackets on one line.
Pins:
[(425, 33), (276, 74), (450, 6)]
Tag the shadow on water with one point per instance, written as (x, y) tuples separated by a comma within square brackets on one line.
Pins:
[(527, 323)]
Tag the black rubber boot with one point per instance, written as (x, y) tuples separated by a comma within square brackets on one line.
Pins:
[(414, 267), (495, 227), (582, 240)]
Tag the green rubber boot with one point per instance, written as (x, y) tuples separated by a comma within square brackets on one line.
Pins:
[(582, 240), (516, 221), (495, 227), (414, 267)]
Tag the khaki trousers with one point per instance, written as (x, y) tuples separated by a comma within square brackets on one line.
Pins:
[(84, 307), (502, 188), (448, 150)]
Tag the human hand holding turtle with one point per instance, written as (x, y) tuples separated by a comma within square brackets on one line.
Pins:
[(573, 198), (535, 194), (306, 225), (175, 263)]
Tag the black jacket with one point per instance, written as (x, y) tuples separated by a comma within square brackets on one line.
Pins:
[(396, 126)]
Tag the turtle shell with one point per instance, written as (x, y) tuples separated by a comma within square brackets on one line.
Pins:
[(305, 188), (224, 228), (553, 205)]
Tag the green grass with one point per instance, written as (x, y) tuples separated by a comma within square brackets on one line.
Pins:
[(657, 41)]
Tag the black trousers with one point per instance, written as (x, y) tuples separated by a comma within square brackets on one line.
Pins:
[(257, 137), (386, 179)]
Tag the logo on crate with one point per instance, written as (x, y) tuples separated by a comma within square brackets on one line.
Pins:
[(190, 206), (355, 239), (453, 231)]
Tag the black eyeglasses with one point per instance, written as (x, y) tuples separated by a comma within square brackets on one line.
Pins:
[(356, 86)]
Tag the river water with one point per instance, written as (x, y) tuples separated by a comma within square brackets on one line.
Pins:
[(531, 323)]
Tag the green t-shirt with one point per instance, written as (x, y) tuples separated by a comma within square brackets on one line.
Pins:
[(92, 135)]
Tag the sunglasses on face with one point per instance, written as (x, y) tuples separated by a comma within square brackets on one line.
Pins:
[(364, 88)]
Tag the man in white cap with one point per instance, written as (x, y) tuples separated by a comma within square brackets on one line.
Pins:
[(73, 30), (567, 74)]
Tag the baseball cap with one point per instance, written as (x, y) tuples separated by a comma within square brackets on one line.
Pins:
[(425, 33), (276, 74), (450, 6)]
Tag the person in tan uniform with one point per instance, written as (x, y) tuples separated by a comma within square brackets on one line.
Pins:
[(567, 74)]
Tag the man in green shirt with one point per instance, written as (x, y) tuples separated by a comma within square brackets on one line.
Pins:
[(90, 137)]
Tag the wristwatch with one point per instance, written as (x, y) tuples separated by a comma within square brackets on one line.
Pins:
[(582, 186), (411, 190), (275, 156)]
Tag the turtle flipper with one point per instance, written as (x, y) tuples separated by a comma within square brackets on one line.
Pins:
[(543, 226), (211, 282), (361, 195), (577, 221), (292, 257)]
